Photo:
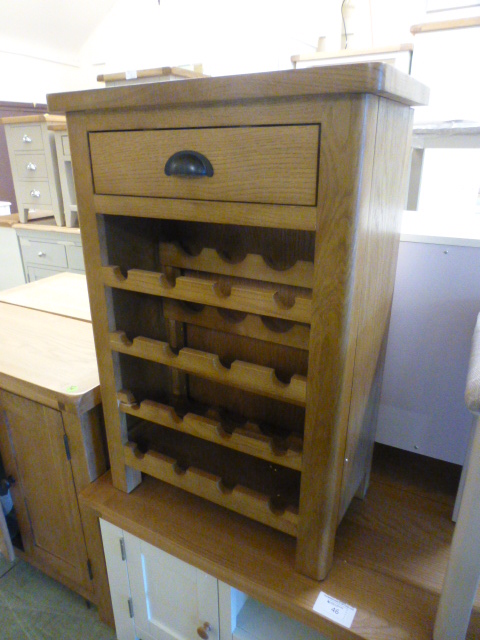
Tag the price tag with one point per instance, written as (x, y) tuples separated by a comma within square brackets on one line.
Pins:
[(335, 610), (130, 75)]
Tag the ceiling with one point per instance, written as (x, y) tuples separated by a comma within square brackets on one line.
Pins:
[(61, 26)]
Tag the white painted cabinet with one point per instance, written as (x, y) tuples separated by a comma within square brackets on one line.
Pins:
[(156, 596), (11, 266), (172, 599)]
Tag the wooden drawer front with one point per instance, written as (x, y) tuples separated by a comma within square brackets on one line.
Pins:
[(43, 253), (31, 166), (276, 165), (75, 257), (66, 144), (35, 193), (25, 137)]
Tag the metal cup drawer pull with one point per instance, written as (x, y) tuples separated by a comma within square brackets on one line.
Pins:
[(189, 164), (35, 193), (26, 138), (31, 166)]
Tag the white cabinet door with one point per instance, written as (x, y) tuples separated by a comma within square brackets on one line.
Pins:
[(117, 571), (171, 599)]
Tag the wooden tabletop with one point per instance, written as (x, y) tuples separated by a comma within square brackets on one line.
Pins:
[(64, 294), (151, 73), (39, 117), (48, 358), (374, 77)]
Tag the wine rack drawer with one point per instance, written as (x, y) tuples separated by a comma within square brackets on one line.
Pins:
[(276, 165)]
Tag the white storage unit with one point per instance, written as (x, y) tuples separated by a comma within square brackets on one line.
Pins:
[(33, 160), (11, 266), (65, 170), (156, 596), (47, 252)]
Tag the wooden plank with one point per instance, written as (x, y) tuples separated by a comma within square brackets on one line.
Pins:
[(273, 330), (64, 294), (39, 117), (243, 375), (53, 353), (334, 327), (253, 266), (262, 301), (445, 25), (366, 78), (378, 241), (116, 429), (345, 53), (248, 438), (148, 73), (207, 485), (259, 215)]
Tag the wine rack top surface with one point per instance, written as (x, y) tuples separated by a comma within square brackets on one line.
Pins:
[(376, 78)]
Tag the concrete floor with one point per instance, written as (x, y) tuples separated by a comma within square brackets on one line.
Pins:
[(35, 607)]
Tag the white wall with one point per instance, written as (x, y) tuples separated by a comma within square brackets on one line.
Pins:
[(230, 37), (28, 74)]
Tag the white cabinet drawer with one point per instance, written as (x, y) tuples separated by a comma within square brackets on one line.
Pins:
[(75, 257), (26, 137), (37, 273), (35, 193), (31, 166), (43, 253)]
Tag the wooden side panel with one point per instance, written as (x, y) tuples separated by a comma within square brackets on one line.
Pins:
[(346, 155), (378, 246), (116, 429)]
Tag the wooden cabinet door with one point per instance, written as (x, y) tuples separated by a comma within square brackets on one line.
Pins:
[(33, 447), (171, 599)]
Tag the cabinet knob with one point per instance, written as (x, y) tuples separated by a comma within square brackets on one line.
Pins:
[(26, 138), (41, 254), (35, 193), (31, 166), (203, 630)]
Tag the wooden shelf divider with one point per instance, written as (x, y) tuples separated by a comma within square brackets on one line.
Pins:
[(239, 297), (206, 485), (247, 439), (242, 375), (285, 332), (253, 266)]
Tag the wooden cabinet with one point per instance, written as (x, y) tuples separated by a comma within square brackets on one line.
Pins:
[(33, 160), (241, 259), (36, 452), (46, 251), (51, 432)]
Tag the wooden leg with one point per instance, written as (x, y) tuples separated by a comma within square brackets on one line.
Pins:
[(463, 571)]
